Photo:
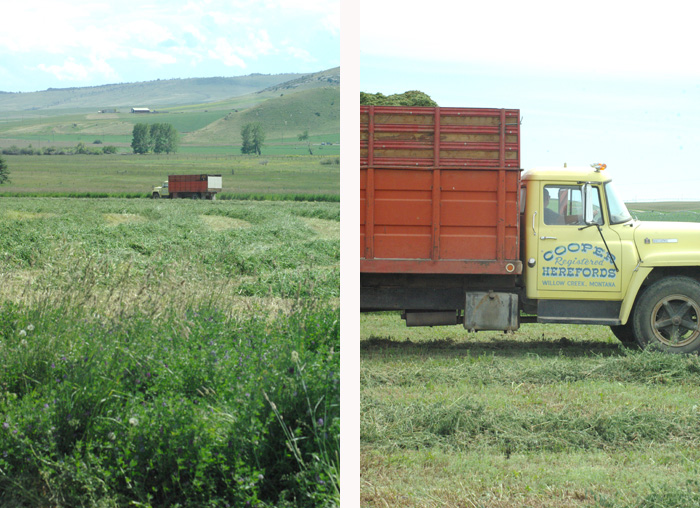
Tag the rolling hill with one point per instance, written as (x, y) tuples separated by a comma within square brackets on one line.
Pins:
[(155, 94), (206, 111), (285, 116)]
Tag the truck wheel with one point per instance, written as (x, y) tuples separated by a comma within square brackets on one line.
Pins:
[(155, 195), (625, 334), (667, 316)]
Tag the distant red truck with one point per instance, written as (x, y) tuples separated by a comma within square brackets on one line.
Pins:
[(189, 186)]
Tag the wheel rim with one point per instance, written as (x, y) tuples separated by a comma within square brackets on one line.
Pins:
[(675, 319)]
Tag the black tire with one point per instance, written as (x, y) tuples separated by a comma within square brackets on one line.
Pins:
[(625, 334), (667, 316), (155, 195)]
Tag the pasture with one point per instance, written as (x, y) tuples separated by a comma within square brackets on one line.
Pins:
[(135, 175), (549, 416), (168, 353)]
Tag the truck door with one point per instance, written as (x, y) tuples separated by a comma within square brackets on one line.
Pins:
[(573, 260)]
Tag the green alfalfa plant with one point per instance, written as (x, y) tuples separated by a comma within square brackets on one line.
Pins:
[(318, 474)]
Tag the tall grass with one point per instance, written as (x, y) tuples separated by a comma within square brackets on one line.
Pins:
[(139, 341), (167, 409)]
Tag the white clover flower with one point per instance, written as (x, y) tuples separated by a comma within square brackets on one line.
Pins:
[(23, 343), (22, 333), (111, 436), (30, 327), (295, 357), (133, 422)]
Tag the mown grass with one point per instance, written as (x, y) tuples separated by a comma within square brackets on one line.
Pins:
[(549, 416), (168, 354)]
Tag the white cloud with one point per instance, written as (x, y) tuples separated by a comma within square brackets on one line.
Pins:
[(146, 31), (156, 57), (69, 71), (226, 53), (259, 44), (323, 13), (299, 54), (83, 40)]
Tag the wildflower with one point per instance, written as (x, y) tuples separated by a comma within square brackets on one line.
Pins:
[(30, 327), (111, 436), (295, 357), (5, 425), (320, 422), (23, 343), (133, 421), (22, 333)]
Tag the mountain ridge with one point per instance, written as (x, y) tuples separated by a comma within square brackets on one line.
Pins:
[(162, 93)]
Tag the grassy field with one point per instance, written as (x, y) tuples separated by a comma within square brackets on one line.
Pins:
[(137, 174), (549, 416), (284, 115), (160, 353)]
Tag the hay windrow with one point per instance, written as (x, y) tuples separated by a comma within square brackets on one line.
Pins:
[(220, 223), (114, 219)]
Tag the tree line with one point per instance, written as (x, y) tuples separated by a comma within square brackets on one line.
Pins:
[(155, 138), (79, 149)]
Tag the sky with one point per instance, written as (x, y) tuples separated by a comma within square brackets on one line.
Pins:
[(74, 43), (597, 82)]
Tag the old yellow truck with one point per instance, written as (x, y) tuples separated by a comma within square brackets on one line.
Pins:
[(452, 233)]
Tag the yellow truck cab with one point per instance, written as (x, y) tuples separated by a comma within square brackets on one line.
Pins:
[(587, 260), (160, 191)]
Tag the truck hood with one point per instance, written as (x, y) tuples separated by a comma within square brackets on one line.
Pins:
[(668, 243)]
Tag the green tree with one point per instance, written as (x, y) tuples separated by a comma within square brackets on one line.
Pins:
[(252, 138), (4, 171), (164, 138), (410, 98), (141, 140), (304, 136)]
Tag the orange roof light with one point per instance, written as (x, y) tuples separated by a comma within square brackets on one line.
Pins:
[(599, 167)]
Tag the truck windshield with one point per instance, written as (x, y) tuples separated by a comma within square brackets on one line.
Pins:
[(616, 207)]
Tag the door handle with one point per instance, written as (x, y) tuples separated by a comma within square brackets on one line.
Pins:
[(548, 237)]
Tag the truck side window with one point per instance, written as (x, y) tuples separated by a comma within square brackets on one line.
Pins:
[(597, 210), (551, 206), (563, 205)]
